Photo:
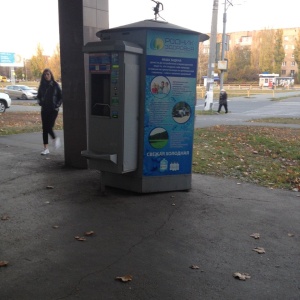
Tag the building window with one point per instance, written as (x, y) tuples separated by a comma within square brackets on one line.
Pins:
[(284, 63), (283, 72), (286, 38), (293, 63), (246, 39), (292, 73), (293, 55), (286, 47)]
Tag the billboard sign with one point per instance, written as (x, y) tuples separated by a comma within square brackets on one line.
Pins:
[(10, 59)]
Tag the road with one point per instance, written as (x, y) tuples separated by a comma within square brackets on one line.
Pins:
[(18, 108), (24, 105), (241, 109)]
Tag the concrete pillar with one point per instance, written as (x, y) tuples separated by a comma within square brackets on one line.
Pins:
[(79, 20)]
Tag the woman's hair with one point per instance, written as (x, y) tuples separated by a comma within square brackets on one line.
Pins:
[(47, 70)]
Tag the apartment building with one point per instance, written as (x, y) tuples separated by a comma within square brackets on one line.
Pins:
[(245, 38), (289, 66)]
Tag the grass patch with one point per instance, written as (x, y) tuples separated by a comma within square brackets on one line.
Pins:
[(206, 112), (295, 121), (24, 122), (209, 112), (266, 156)]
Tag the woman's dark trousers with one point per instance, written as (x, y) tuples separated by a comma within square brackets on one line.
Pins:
[(48, 121)]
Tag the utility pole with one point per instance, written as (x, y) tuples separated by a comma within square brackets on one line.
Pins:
[(209, 101), (224, 44)]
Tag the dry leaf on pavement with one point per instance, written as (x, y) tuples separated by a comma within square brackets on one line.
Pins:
[(80, 238), (241, 276), (255, 235), (124, 278), (194, 267), (3, 263), (89, 233), (259, 250), (5, 218)]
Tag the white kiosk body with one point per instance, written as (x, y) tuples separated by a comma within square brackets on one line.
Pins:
[(141, 96)]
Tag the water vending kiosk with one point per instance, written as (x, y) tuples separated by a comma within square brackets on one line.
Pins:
[(141, 97)]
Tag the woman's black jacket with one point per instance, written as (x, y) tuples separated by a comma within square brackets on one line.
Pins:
[(49, 96)]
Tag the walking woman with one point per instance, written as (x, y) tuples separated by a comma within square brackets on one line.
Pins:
[(223, 101), (50, 99)]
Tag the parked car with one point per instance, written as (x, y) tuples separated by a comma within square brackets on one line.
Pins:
[(3, 78), (20, 92), (5, 102)]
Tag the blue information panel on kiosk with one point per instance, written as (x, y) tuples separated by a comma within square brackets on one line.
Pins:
[(171, 72)]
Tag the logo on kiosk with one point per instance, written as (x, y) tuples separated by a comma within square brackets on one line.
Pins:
[(157, 44)]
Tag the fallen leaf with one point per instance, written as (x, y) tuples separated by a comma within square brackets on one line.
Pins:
[(194, 267), (259, 250), (5, 218), (255, 235), (80, 238), (291, 234), (89, 233), (3, 263), (241, 276), (125, 278), (55, 226), (50, 187)]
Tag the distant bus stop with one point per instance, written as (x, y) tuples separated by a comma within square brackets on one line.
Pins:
[(270, 80)]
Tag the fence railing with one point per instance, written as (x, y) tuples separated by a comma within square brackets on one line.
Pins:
[(242, 90)]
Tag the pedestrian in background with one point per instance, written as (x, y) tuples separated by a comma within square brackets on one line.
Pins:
[(223, 101), (50, 99)]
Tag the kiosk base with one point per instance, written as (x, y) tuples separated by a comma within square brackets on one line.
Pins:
[(149, 184)]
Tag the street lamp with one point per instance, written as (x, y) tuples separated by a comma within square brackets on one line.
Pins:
[(25, 69), (224, 44), (212, 58), (222, 65)]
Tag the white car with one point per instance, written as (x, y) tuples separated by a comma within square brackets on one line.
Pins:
[(5, 102)]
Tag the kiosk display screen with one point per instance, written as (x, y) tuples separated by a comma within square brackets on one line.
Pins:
[(103, 68), (100, 95)]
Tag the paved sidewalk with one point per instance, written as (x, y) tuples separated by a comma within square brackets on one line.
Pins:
[(156, 238)]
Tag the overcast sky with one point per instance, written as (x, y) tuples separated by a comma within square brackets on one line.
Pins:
[(25, 23)]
